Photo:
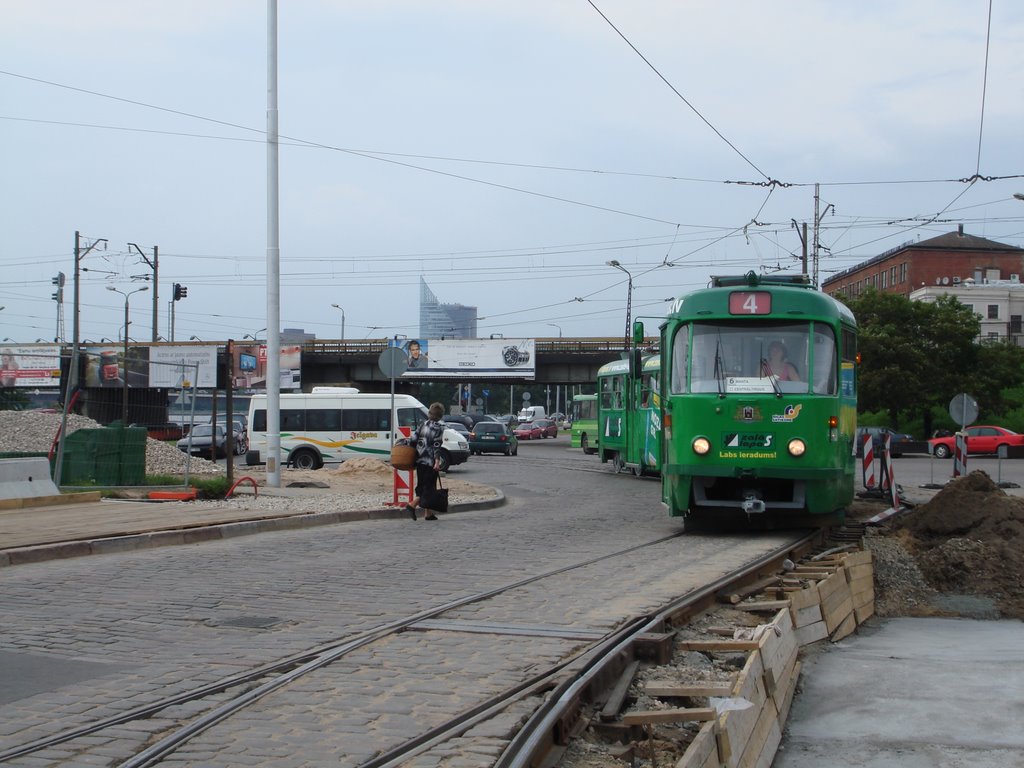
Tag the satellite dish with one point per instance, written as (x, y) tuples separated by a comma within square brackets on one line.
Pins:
[(945, 281)]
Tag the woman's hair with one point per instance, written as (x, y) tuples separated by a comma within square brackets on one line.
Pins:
[(780, 346), (436, 411)]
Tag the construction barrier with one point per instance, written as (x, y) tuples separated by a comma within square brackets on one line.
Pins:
[(404, 485), (960, 455), (868, 463)]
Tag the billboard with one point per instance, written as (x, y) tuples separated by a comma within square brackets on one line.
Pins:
[(174, 366), (468, 358), (249, 363), (29, 366)]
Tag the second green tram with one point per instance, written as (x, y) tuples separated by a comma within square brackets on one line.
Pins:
[(760, 409), (583, 416), (629, 416)]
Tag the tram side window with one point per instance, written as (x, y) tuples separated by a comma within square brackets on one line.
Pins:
[(680, 360), (824, 379), (611, 392)]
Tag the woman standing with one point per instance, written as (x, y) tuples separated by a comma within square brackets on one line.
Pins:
[(428, 447)]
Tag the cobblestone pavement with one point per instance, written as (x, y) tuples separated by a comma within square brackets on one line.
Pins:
[(89, 637)]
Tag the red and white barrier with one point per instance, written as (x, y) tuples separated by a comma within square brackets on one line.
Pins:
[(960, 455), (868, 463)]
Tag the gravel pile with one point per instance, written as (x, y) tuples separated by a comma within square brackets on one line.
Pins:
[(34, 432)]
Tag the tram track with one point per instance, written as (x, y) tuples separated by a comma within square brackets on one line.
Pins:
[(281, 672), (551, 686)]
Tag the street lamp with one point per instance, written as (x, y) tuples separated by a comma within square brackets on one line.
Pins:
[(194, 338), (254, 336), (555, 325), (124, 365), (336, 306), (629, 298)]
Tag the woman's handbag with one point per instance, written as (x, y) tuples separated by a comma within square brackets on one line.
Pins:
[(436, 500), (403, 456)]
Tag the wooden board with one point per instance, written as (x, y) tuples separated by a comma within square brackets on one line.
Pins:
[(718, 645), (845, 628), (663, 688), (703, 750), (809, 615), (804, 598), (811, 633), (680, 715)]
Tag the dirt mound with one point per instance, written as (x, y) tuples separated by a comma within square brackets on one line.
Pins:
[(363, 465), (969, 539)]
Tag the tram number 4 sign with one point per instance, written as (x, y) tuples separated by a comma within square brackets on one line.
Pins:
[(750, 303)]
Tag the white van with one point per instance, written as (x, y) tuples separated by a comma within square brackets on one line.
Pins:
[(532, 412), (330, 425)]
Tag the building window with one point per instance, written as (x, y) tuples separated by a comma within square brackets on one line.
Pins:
[(993, 311), (1014, 323), (892, 275), (993, 336), (903, 272), (882, 275)]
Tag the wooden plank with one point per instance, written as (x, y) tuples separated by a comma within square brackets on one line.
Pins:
[(836, 581), (763, 605), (845, 628), (804, 598), (681, 715), (858, 558), (739, 723), (833, 619), (760, 585), (718, 645), (811, 633), (864, 571), (764, 739), (861, 599), (669, 688), (782, 674), (787, 702), (804, 616), (703, 748), (864, 613), (617, 697)]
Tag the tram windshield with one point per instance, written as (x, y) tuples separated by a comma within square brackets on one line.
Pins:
[(754, 358)]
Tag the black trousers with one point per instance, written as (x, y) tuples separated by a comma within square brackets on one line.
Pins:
[(426, 479)]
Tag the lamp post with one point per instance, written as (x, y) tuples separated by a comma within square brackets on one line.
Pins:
[(555, 325), (254, 336), (194, 338), (124, 364), (629, 299), (337, 306)]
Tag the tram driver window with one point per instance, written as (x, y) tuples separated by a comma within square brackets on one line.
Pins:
[(680, 360)]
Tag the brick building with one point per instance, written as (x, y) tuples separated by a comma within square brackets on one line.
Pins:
[(944, 261)]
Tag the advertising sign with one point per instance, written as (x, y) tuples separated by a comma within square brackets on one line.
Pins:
[(105, 366), (29, 366), (468, 358), (174, 367), (250, 366)]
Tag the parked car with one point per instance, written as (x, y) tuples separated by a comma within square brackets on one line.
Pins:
[(548, 428), (199, 441), (527, 431), (240, 433), (899, 442), (458, 418), (492, 437), (983, 439), (162, 431), (459, 427)]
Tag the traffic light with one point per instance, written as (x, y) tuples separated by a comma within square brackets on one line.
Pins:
[(180, 291), (58, 295), (58, 280)]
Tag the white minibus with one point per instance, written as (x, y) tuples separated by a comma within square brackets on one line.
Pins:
[(332, 424)]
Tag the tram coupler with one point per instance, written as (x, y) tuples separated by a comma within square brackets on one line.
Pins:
[(753, 505)]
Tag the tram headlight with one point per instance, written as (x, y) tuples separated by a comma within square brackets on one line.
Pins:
[(796, 447), (701, 446)]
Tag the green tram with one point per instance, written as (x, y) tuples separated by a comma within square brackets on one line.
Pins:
[(629, 415), (583, 416), (760, 403)]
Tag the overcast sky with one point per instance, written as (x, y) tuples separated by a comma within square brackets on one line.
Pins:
[(505, 150)]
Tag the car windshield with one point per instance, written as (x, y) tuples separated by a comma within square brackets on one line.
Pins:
[(202, 430), (484, 426)]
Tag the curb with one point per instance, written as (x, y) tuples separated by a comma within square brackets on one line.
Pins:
[(194, 535)]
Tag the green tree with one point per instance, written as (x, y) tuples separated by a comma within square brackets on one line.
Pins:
[(913, 354)]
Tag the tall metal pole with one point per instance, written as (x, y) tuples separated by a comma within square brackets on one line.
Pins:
[(72, 381), (273, 261)]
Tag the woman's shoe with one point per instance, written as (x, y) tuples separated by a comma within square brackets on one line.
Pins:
[(431, 516), (411, 510)]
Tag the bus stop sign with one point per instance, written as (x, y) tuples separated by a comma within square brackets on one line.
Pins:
[(964, 409)]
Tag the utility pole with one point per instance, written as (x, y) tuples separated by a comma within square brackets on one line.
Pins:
[(73, 363), (817, 222), (155, 266), (803, 243)]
